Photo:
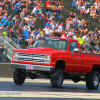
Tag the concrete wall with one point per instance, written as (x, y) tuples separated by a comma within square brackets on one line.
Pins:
[(6, 70)]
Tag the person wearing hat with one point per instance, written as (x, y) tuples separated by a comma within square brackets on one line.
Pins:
[(46, 30), (80, 40), (4, 21), (28, 19), (92, 13), (95, 32), (5, 16), (47, 24)]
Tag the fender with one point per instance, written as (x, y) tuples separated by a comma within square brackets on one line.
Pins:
[(54, 63)]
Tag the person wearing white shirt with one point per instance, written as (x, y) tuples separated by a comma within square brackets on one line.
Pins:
[(51, 31), (33, 34), (28, 19), (88, 10), (83, 9), (57, 24), (64, 35), (38, 35), (68, 26), (69, 34), (60, 28), (85, 37), (33, 11), (46, 31), (75, 37), (32, 38)]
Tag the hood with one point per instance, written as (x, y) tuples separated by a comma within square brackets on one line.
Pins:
[(39, 50)]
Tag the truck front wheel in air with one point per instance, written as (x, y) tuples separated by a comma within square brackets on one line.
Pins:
[(57, 78), (92, 80), (19, 76)]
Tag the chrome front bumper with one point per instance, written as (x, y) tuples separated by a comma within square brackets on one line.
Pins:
[(32, 67)]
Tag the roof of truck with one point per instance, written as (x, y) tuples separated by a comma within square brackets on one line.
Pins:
[(59, 38)]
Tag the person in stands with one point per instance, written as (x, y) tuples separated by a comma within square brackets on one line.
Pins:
[(2, 47)]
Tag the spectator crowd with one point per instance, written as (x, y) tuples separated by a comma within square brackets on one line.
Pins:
[(85, 7), (26, 23)]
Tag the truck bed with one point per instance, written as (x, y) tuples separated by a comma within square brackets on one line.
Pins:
[(89, 60)]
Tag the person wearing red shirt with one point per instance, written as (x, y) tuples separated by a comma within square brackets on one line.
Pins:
[(48, 3), (48, 8)]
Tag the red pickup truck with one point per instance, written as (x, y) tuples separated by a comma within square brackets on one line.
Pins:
[(57, 59)]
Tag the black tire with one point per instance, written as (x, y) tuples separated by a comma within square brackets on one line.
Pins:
[(57, 78), (19, 76), (92, 80)]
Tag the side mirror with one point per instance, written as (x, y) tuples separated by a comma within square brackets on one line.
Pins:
[(76, 49)]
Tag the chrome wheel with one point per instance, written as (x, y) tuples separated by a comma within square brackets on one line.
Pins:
[(96, 80), (92, 80), (59, 78)]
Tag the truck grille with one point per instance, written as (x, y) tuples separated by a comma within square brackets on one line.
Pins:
[(28, 57)]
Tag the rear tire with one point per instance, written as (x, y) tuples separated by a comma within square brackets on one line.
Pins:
[(57, 78), (19, 76), (92, 80)]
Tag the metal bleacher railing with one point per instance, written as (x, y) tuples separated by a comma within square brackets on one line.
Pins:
[(10, 45)]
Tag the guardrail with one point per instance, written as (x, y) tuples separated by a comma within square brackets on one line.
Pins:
[(10, 45)]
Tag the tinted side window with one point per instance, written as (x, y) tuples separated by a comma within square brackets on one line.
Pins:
[(73, 45)]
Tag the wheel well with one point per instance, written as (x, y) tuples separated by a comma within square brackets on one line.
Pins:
[(96, 67), (60, 64)]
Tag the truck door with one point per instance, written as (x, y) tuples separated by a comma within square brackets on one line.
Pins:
[(74, 61)]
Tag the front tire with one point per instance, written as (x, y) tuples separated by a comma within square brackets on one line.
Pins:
[(57, 78), (19, 76), (92, 80)]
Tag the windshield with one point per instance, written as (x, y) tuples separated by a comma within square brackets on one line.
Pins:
[(58, 44)]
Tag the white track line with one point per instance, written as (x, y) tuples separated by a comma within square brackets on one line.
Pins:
[(50, 94)]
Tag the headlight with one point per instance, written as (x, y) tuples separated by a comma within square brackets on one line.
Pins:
[(48, 57), (15, 56)]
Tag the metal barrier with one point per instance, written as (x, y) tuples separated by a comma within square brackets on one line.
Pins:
[(10, 45)]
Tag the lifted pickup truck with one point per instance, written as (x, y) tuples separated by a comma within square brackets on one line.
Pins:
[(56, 59)]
